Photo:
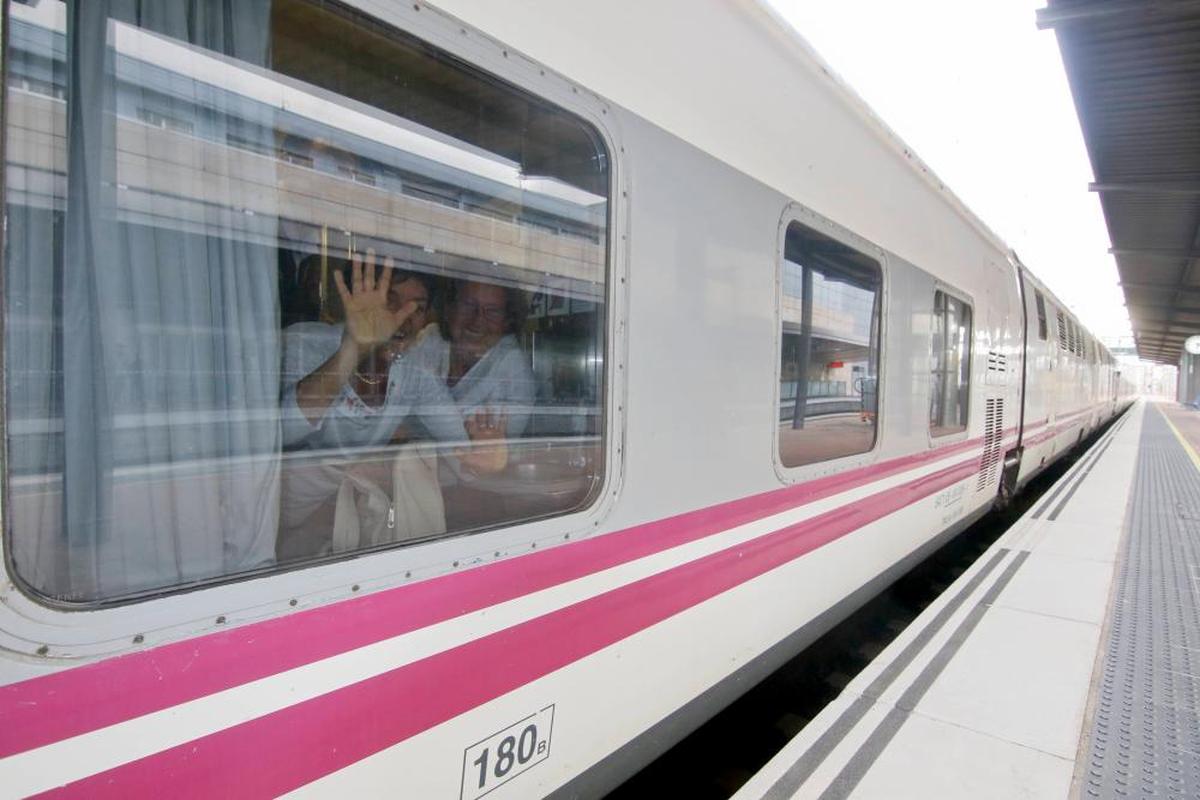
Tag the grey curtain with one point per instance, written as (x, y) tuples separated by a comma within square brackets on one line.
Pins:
[(147, 365)]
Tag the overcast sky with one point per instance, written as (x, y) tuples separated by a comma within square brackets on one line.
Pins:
[(980, 94)]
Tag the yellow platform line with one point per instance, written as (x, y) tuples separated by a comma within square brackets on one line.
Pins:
[(1187, 447)]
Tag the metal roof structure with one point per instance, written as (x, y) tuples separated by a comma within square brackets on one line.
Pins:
[(1134, 70)]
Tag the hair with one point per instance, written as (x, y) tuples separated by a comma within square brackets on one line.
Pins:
[(425, 279)]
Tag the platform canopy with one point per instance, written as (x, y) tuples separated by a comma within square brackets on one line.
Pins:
[(1134, 70)]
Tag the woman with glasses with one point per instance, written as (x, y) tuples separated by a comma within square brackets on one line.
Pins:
[(484, 367)]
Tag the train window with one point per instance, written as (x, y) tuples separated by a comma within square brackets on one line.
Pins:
[(950, 388), (284, 284), (1041, 314), (829, 369)]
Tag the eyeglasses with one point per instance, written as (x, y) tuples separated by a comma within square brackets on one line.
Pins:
[(472, 308)]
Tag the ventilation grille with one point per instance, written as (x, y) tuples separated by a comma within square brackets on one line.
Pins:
[(993, 441), (997, 362), (1062, 331)]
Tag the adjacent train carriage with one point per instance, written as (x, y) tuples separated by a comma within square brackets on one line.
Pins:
[(688, 355)]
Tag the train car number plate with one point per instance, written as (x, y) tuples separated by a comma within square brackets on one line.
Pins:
[(507, 753)]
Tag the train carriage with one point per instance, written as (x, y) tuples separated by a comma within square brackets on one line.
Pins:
[(750, 359)]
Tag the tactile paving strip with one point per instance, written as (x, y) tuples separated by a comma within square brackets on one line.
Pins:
[(1145, 737)]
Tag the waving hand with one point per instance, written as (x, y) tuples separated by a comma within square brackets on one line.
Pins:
[(369, 321)]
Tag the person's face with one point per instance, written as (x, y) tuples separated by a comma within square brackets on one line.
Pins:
[(409, 291), (479, 317)]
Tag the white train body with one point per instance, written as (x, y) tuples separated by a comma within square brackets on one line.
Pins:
[(575, 648)]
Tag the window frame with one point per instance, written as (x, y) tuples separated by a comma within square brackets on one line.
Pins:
[(41, 627), (797, 213), (968, 301)]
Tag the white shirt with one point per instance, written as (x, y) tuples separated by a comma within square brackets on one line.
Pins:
[(415, 388)]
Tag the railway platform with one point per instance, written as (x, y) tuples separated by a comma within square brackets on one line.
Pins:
[(1064, 663)]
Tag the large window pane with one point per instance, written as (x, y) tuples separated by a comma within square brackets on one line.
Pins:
[(283, 284), (829, 365), (950, 387), (1041, 314)]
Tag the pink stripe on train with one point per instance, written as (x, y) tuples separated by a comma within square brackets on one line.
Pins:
[(1052, 431), (47, 709), (287, 749)]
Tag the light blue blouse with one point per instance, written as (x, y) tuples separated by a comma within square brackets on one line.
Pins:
[(415, 388)]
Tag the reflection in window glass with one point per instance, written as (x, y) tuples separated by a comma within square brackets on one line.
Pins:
[(829, 365), (291, 285), (950, 388)]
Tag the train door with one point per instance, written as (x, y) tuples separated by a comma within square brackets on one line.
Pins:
[(1060, 385), (1001, 394), (1045, 368), (1033, 395)]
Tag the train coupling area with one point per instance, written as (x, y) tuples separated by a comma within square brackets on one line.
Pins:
[(1064, 663)]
